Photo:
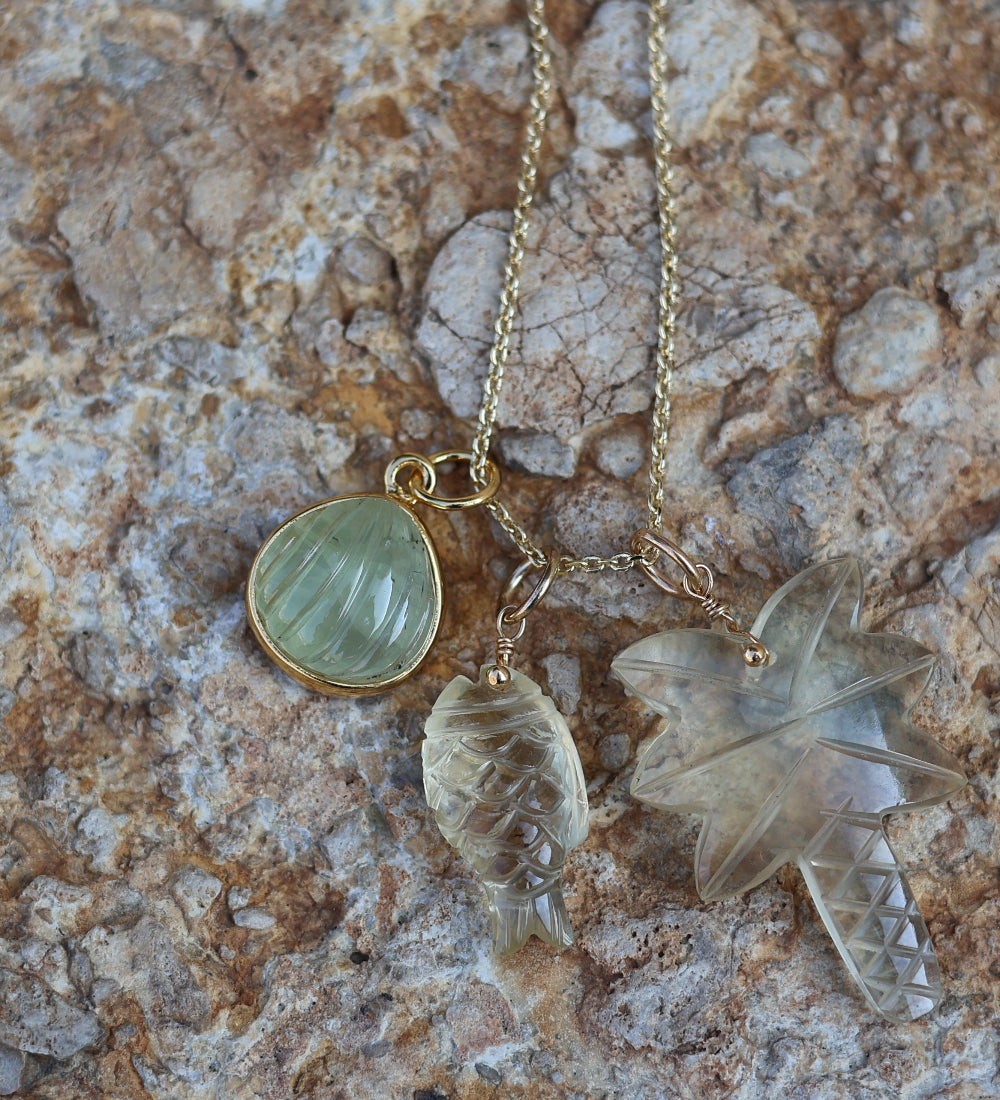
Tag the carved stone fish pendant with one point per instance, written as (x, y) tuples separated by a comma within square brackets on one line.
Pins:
[(503, 777), (800, 760), (346, 595)]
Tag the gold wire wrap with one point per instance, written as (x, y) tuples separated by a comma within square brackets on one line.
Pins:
[(696, 584), (499, 675), (513, 617)]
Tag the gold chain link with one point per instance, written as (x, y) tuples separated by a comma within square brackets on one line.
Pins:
[(669, 292)]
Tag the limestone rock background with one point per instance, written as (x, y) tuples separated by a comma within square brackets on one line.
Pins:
[(249, 251)]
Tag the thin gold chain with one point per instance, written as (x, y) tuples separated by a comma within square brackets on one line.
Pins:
[(669, 292)]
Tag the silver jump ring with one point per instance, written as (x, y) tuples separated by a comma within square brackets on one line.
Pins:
[(517, 614), (505, 621)]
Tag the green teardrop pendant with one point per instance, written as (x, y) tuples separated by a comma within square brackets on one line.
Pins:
[(346, 595)]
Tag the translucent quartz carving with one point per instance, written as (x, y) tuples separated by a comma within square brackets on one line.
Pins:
[(347, 594), (799, 761), (504, 780)]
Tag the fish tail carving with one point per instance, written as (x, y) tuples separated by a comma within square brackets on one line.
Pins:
[(515, 918)]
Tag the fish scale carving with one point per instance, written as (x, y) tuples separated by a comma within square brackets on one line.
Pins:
[(504, 780)]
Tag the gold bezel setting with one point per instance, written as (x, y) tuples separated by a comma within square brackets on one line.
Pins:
[(328, 685)]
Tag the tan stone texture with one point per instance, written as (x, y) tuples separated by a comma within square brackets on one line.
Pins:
[(249, 250)]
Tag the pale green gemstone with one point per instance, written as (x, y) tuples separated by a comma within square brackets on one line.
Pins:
[(348, 592)]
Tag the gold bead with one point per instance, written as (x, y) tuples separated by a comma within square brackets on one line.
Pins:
[(498, 676), (756, 655)]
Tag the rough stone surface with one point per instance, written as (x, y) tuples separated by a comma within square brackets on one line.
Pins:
[(253, 917), (973, 288), (887, 345), (537, 453), (562, 671), (739, 322), (712, 46), (195, 889), (581, 345), (250, 251), (798, 489), (773, 155), (36, 1020), (621, 452), (12, 1066)]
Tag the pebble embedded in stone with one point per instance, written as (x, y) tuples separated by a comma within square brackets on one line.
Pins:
[(455, 330), (364, 261), (592, 236), (416, 423), (37, 1020), (492, 61), (599, 128), (736, 325), (830, 111), (254, 918), (887, 345), (614, 751), (921, 160), (987, 371), (563, 673), (489, 1074), (55, 907), (971, 289), (970, 576), (97, 836), (919, 476), (621, 452), (194, 890), (238, 898), (12, 1067), (712, 46), (819, 42), (163, 985), (913, 26), (800, 489), (537, 453), (773, 155)]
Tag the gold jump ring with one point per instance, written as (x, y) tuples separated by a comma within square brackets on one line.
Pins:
[(424, 469), (697, 581), (425, 494)]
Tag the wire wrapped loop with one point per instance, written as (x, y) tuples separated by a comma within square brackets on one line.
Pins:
[(695, 584), (499, 674)]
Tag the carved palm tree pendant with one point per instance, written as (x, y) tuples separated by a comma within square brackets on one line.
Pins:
[(801, 760)]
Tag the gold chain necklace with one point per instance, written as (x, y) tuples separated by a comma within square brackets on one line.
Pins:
[(669, 292), (792, 738), (340, 622), (696, 579)]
